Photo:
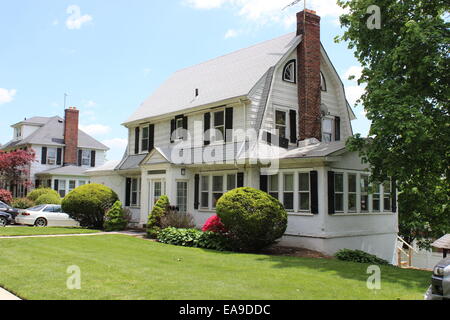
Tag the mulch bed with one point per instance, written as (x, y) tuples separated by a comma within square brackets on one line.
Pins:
[(294, 252)]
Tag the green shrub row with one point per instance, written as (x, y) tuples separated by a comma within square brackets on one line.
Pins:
[(359, 257), (194, 238)]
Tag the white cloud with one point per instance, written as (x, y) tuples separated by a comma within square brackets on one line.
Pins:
[(95, 129), (231, 33), (90, 104), (353, 93), (353, 71), (265, 11), (7, 95), (116, 143), (76, 20)]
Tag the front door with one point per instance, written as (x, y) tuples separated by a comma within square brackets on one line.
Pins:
[(157, 189)]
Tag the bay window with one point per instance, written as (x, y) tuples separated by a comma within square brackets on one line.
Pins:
[(288, 192)]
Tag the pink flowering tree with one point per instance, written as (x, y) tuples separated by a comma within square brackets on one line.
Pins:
[(15, 167)]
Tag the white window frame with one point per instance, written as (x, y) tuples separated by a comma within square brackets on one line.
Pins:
[(366, 193), (214, 138), (143, 138), (353, 193), (210, 176), (135, 189), (205, 191), (286, 125), (301, 193), (51, 160), (185, 195), (86, 155), (62, 183), (274, 190), (341, 193), (331, 132), (290, 65), (289, 191), (74, 185)]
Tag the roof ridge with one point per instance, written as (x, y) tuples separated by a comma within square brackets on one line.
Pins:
[(234, 52)]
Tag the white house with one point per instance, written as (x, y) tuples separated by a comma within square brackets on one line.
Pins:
[(63, 152), (274, 117)]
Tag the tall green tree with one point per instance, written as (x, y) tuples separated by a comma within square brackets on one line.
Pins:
[(403, 47)]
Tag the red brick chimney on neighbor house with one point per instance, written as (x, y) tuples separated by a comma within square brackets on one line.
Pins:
[(71, 136), (309, 91)]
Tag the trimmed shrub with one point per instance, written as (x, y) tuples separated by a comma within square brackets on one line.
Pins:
[(22, 203), (5, 196), (115, 219), (178, 220), (36, 193), (359, 257), (48, 198), (253, 218), (89, 203), (160, 209), (214, 224), (194, 238)]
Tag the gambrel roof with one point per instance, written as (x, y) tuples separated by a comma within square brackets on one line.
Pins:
[(229, 76)]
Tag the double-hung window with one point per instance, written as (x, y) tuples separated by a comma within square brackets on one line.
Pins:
[(62, 188), (387, 203), (145, 139), (364, 193), (86, 158), (219, 126), (72, 185), (51, 156), (231, 182), (281, 123), (182, 196), (327, 130), (273, 186), (304, 189), (339, 192), (376, 198), (205, 192), (288, 192), (217, 191), (352, 192), (135, 192)]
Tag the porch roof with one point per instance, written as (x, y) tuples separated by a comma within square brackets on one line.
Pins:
[(442, 243), (64, 171)]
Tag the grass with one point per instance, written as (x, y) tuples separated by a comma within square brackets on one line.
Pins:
[(33, 231), (121, 267)]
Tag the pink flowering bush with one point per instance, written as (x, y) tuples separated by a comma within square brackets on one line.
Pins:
[(214, 224), (5, 196)]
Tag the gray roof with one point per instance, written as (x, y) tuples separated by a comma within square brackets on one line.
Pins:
[(229, 76), (33, 120), (131, 162), (107, 166), (51, 132), (442, 243), (65, 171)]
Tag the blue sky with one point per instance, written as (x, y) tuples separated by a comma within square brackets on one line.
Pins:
[(109, 56)]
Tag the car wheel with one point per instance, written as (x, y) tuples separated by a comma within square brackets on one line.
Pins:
[(40, 222), (3, 222)]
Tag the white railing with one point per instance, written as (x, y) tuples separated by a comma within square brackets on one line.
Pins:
[(408, 253)]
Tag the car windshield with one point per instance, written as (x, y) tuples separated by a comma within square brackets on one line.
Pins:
[(37, 208), (4, 205)]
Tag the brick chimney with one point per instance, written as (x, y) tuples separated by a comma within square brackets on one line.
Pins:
[(309, 91), (71, 136)]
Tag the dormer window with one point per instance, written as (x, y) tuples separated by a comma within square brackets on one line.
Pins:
[(289, 72), (323, 82), (18, 133)]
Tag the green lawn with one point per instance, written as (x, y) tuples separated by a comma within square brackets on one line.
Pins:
[(122, 267), (33, 231)]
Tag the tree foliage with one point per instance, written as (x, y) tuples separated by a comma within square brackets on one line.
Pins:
[(15, 166), (405, 70)]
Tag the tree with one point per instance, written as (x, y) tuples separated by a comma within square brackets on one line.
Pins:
[(405, 68), (15, 166)]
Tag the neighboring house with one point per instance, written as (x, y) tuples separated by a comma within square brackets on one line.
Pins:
[(283, 107), (63, 152)]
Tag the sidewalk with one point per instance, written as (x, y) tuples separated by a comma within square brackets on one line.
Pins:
[(125, 233), (5, 295)]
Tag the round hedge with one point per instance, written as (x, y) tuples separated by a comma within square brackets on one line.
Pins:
[(253, 218), (48, 198), (89, 203), (36, 193)]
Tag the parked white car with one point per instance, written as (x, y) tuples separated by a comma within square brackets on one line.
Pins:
[(46, 215)]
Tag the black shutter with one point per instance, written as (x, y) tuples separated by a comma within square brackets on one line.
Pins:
[(59, 156), (93, 153), (44, 155), (228, 125), (136, 140), (293, 125), (151, 137), (56, 186), (331, 206), (80, 155), (128, 192), (240, 180), (394, 196), (264, 183), (337, 128), (314, 192), (173, 127), (197, 192), (206, 128)]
